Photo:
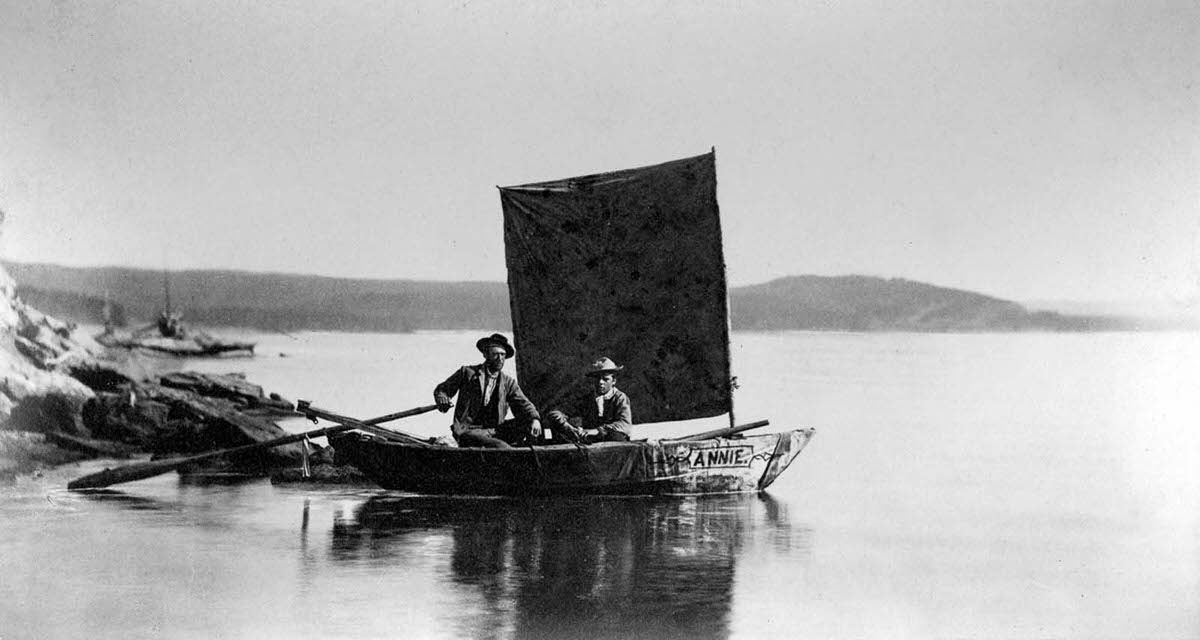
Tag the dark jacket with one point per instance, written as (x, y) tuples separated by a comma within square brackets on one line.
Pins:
[(617, 414), (467, 382)]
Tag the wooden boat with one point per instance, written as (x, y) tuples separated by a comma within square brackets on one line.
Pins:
[(194, 344), (628, 265), (719, 465), (168, 335)]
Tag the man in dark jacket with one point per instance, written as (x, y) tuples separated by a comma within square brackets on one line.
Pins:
[(485, 394), (603, 415)]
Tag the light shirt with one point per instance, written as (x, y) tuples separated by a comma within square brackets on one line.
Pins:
[(489, 383), (600, 400)]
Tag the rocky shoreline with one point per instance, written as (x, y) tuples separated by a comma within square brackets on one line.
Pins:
[(65, 398)]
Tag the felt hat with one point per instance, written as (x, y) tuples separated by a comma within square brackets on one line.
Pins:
[(497, 340), (601, 367)]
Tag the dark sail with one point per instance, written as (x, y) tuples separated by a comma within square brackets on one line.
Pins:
[(628, 265)]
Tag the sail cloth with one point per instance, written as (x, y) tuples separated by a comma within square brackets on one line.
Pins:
[(627, 265)]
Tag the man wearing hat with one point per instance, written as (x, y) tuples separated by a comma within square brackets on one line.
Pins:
[(603, 415), (485, 394)]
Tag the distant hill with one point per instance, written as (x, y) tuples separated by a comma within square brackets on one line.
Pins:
[(863, 303), (277, 301), (291, 302)]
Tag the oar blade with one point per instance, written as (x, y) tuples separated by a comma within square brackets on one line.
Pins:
[(127, 473)]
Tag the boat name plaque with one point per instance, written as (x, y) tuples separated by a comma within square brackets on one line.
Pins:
[(717, 457)]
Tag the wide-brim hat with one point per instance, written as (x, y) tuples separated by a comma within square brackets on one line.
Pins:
[(498, 340), (601, 367)]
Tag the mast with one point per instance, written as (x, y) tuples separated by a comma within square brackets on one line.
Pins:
[(167, 293), (725, 275)]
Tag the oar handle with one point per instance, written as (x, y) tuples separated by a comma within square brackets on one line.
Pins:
[(312, 413)]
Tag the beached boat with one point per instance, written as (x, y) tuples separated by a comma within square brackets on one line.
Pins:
[(628, 265), (169, 335), (194, 344)]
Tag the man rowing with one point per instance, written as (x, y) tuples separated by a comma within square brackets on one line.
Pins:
[(485, 395)]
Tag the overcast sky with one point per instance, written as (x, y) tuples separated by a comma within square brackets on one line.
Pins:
[(1027, 150)]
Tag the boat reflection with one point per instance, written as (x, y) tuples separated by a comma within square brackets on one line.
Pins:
[(615, 567)]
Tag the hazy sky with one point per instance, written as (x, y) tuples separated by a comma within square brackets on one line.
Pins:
[(1028, 150)]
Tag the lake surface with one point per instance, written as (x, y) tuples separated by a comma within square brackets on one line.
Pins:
[(980, 486)]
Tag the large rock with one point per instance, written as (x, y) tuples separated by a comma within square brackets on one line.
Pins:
[(36, 391), (111, 371), (246, 396), (49, 411), (49, 343), (173, 421), (120, 416), (40, 402)]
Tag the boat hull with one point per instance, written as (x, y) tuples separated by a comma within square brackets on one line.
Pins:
[(197, 346), (720, 465)]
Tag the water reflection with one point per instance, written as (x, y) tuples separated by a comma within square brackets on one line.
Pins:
[(213, 479), (125, 500), (606, 567)]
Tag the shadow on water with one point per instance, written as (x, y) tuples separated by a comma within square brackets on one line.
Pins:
[(611, 567), (217, 479), (125, 500)]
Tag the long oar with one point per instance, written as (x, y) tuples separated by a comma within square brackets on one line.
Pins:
[(312, 413), (142, 470), (721, 433)]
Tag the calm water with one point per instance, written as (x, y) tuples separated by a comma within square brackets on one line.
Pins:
[(958, 486)]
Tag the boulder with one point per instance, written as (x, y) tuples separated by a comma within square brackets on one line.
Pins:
[(49, 412), (246, 396), (35, 395), (109, 372), (47, 342), (118, 416), (171, 421), (40, 401)]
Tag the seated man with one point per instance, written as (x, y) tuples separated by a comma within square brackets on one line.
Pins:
[(485, 395), (603, 415)]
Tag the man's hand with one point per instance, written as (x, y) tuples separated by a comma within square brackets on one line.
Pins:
[(535, 428), (443, 401)]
